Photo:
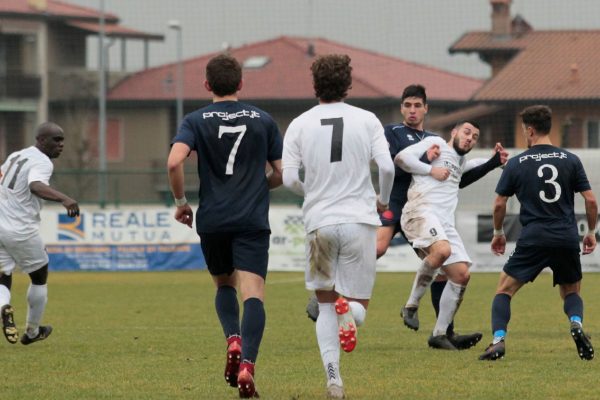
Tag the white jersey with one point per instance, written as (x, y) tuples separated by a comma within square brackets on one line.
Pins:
[(19, 208), (426, 192), (335, 144)]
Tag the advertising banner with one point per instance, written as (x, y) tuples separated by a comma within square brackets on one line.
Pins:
[(287, 243), (148, 238), (120, 239)]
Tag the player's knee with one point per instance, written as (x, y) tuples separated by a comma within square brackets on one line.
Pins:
[(438, 257), (462, 278)]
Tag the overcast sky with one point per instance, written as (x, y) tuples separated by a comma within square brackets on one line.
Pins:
[(419, 31)]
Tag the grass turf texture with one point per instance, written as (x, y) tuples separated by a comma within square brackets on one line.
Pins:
[(156, 336)]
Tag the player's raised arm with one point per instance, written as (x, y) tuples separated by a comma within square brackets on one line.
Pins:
[(591, 212), (409, 160), (471, 175)]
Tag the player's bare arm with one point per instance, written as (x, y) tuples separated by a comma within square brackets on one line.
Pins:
[(178, 154), (46, 192), (275, 175), (499, 240), (591, 212)]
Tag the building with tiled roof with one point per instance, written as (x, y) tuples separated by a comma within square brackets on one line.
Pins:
[(279, 69), (43, 50), (277, 78), (560, 68)]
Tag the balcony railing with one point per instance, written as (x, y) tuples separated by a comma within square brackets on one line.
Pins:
[(17, 85)]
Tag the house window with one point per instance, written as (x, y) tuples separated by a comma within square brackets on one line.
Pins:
[(114, 139), (593, 134)]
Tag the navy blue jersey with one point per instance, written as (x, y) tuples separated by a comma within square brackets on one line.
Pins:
[(400, 137), (234, 141), (545, 179)]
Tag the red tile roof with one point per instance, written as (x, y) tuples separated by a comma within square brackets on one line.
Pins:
[(54, 8), (550, 65), (287, 75), (114, 30)]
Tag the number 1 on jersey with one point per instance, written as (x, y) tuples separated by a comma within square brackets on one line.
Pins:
[(241, 129), (336, 137)]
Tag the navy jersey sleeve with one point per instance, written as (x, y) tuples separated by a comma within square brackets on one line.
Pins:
[(506, 185), (186, 134), (392, 142), (275, 142), (581, 183)]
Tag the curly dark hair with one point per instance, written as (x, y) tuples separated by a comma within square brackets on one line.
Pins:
[(224, 74), (539, 117), (332, 77)]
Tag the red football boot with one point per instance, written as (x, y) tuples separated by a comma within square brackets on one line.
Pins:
[(245, 381), (347, 326), (234, 355)]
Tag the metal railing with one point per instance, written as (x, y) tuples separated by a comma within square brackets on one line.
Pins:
[(142, 186)]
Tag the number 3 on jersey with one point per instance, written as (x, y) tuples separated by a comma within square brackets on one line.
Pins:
[(551, 181), (336, 137), (241, 129)]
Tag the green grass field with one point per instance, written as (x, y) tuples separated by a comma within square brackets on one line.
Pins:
[(156, 336)]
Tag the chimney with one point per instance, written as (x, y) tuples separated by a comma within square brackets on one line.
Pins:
[(38, 5), (501, 23)]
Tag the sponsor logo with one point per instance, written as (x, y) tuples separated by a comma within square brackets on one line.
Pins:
[(541, 156), (71, 229), (116, 227), (229, 116)]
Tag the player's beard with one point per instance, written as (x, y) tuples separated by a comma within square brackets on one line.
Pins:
[(455, 144)]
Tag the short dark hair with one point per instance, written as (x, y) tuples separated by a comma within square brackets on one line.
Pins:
[(539, 117), (467, 121), (224, 74), (332, 76), (414, 91)]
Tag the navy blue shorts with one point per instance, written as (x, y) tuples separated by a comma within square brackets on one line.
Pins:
[(526, 263), (246, 251)]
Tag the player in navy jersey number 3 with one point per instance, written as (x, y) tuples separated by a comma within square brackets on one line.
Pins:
[(235, 143), (544, 178)]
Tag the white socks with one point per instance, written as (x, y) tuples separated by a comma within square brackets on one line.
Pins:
[(358, 312), (425, 275), (37, 296), (4, 295), (449, 302), (329, 342)]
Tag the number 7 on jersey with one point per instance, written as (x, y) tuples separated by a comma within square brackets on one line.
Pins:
[(232, 129), (337, 136)]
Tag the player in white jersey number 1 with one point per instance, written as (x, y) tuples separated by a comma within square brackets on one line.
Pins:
[(335, 142), (428, 220), (24, 182)]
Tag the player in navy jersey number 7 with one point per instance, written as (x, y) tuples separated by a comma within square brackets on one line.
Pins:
[(545, 179), (234, 142)]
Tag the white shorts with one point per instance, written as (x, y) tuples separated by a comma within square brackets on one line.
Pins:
[(28, 252), (342, 258), (422, 229)]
